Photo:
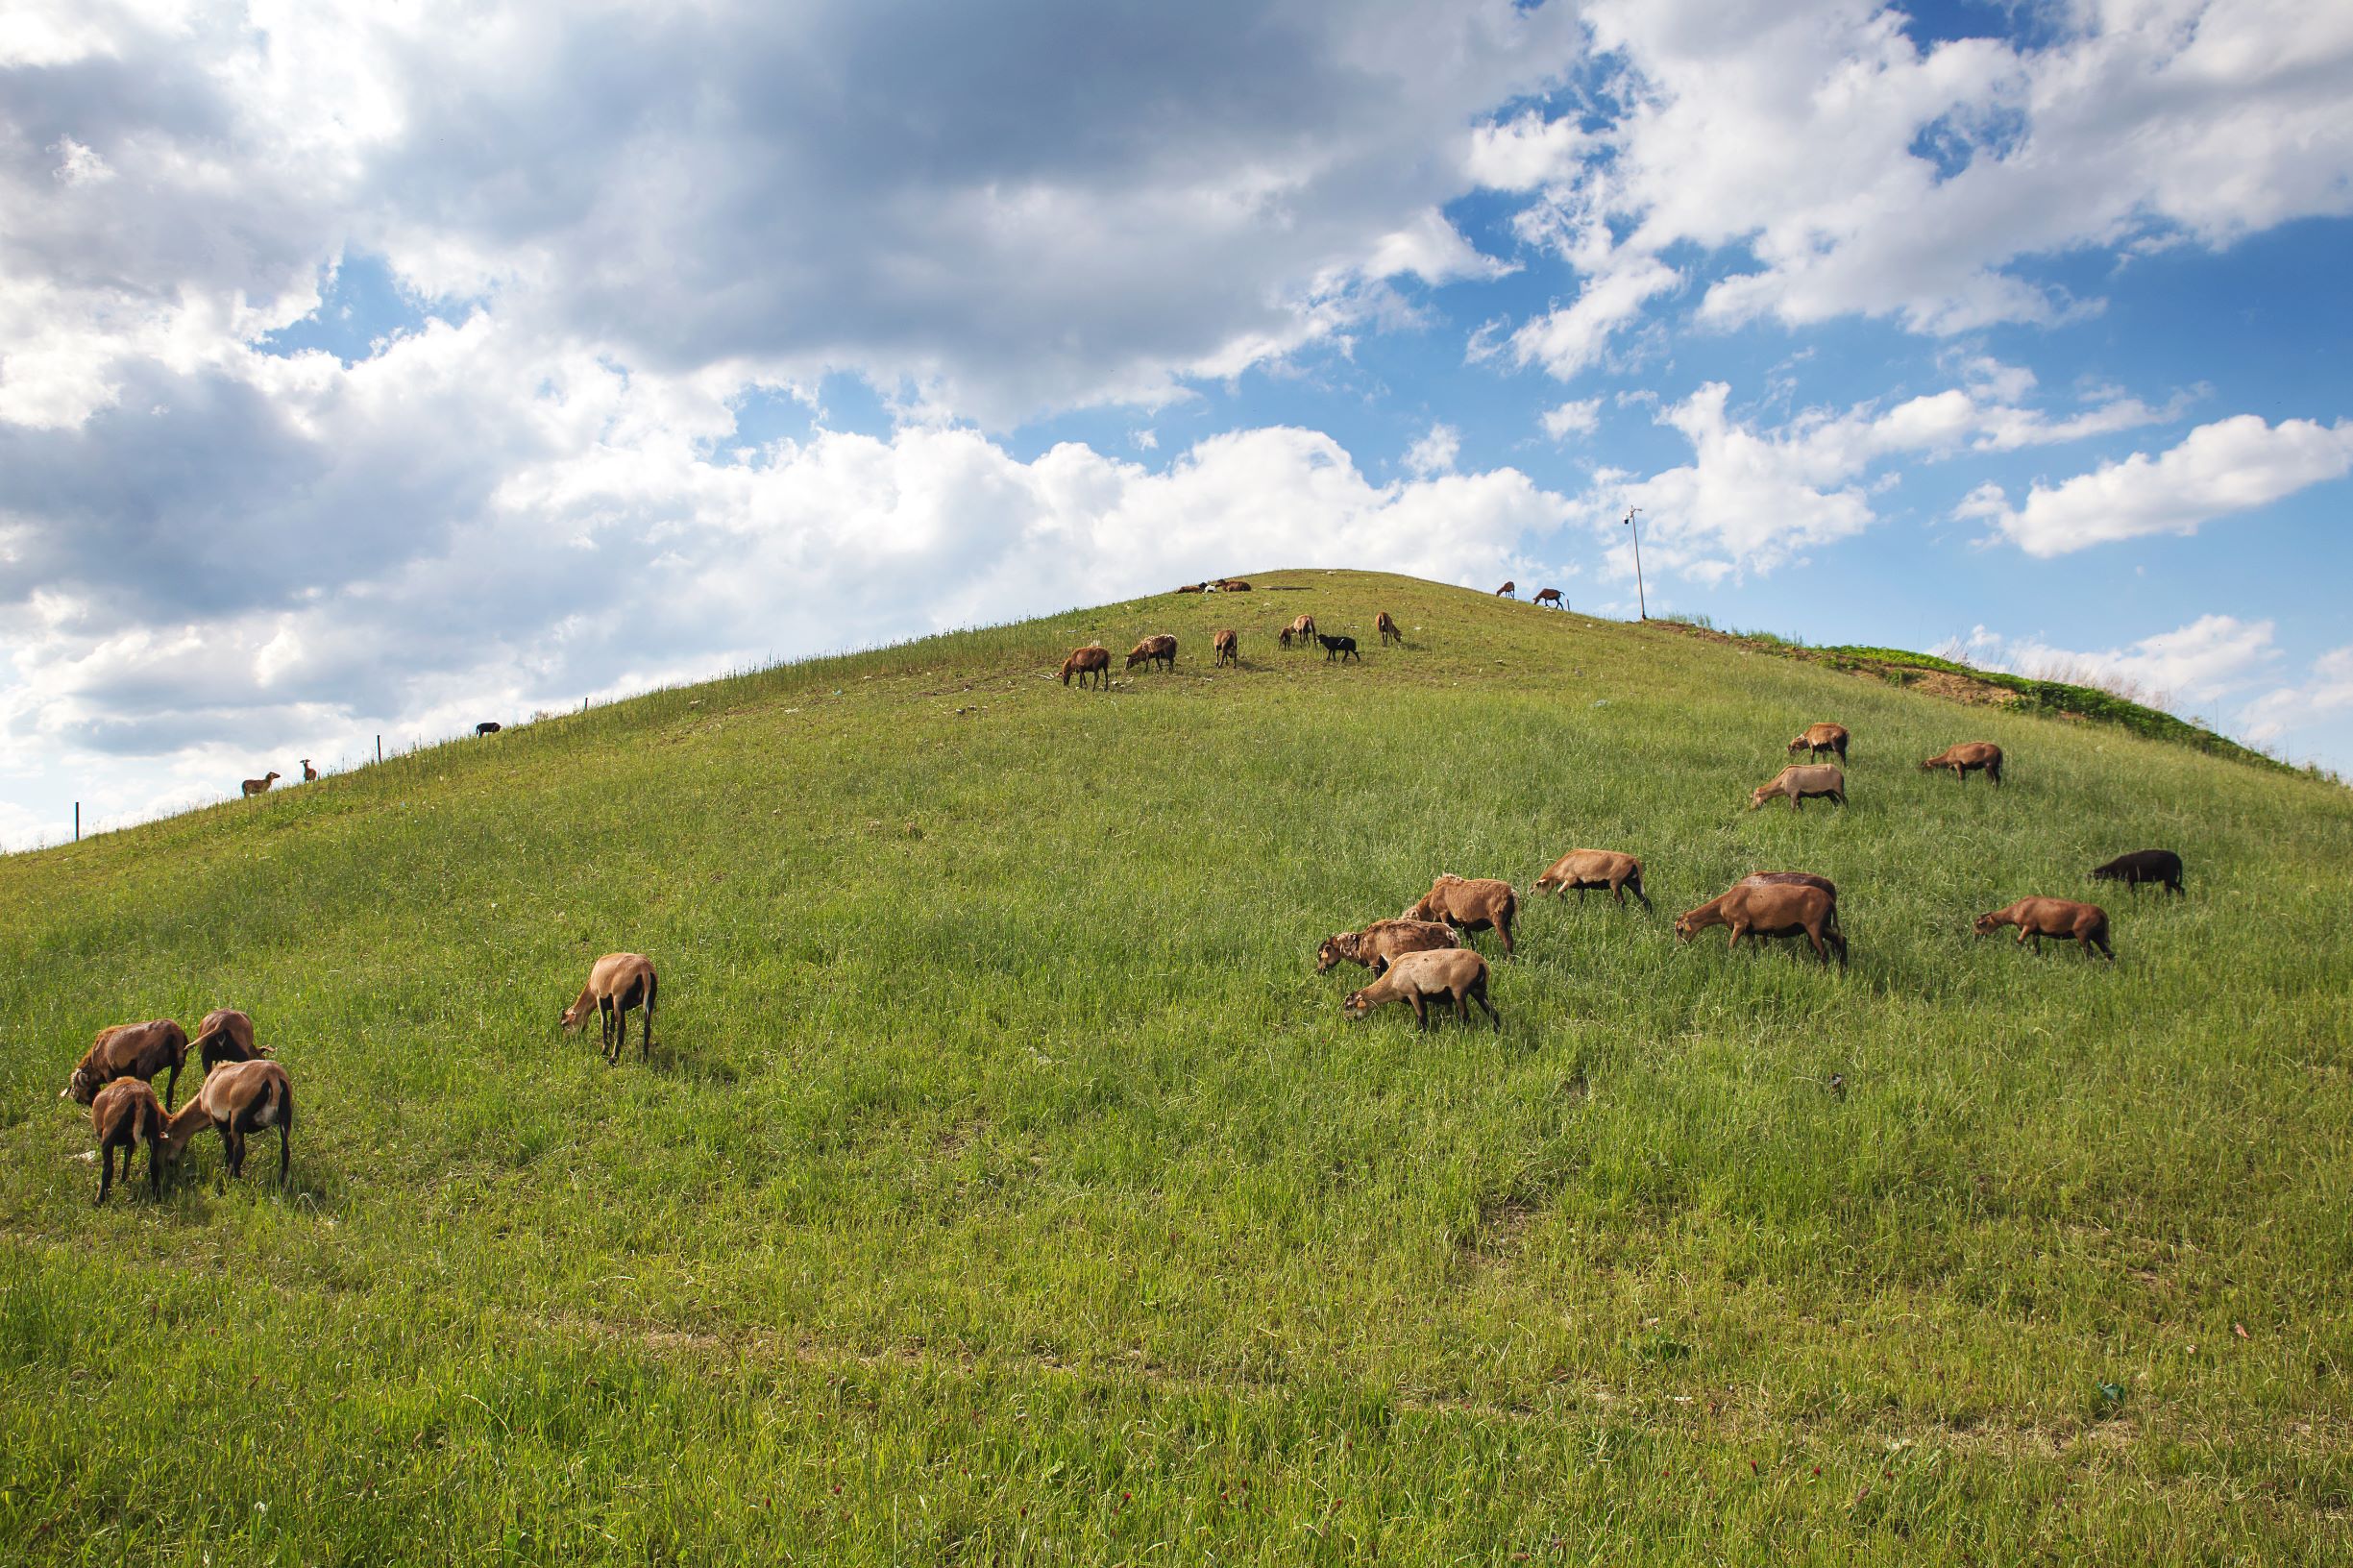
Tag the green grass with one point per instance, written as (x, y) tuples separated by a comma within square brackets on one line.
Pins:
[(1006, 1188)]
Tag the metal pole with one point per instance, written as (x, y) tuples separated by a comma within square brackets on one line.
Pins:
[(1641, 599), (380, 748), (77, 821)]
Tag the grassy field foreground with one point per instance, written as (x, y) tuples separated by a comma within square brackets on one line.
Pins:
[(1005, 1186)]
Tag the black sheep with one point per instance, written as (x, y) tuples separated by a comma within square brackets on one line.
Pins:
[(2144, 865)]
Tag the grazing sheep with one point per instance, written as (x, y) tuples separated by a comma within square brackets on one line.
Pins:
[(2084, 924), (1509, 589), (1588, 869), (1790, 879), (242, 1098), (2142, 866), (1231, 585), (1301, 630), (487, 727), (1821, 738), (258, 785), (1552, 597), (124, 1116), (1773, 910), (1227, 646), (1965, 759), (1416, 978), (225, 1034), (1387, 628), (310, 774), (1383, 943), (1800, 782), (1479, 904), (1094, 659), (1342, 648), (616, 983), (1154, 652), (130, 1051)]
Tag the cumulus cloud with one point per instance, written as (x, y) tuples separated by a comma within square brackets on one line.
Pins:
[(1577, 417), (2303, 712), (1435, 452), (2211, 658), (2233, 465)]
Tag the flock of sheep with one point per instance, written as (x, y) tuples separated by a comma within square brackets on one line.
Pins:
[(1159, 651)]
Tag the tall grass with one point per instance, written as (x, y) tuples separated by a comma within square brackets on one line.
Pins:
[(1003, 1164)]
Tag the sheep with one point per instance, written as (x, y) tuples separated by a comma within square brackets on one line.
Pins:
[(1387, 628), (1821, 738), (2085, 924), (1195, 588), (1231, 585), (617, 982), (1509, 589), (2142, 866), (1342, 648), (1802, 782), (1153, 651), (1772, 910), (486, 728), (1552, 597), (1451, 972), (124, 1116), (1790, 879), (1586, 869), (1383, 943), (239, 1100), (130, 1051), (258, 785), (1965, 759), (1469, 905), (1301, 630), (1227, 646), (310, 774), (225, 1034), (1094, 659)]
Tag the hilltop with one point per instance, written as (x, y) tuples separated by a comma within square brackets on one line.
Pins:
[(1006, 1186)]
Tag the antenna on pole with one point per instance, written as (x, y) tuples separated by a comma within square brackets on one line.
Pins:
[(1640, 599)]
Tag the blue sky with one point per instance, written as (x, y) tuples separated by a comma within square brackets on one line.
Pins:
[(377, 369)]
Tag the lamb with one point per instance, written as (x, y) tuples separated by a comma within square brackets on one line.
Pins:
[(1469, 905), (1821, 738), (225, 1034), (1454, 973), (1094, 659), (1383, 943), (1342, 648), (124, 1116), (617, 982), (258, 785), (1387, 628), (1800, 782), (238, 1100), (310, 774), (130, 1051), (1227, 646), (1968, 758), (2085, 924), (1586, 869), (2142, 866), (1154, 650), (1769, 910)]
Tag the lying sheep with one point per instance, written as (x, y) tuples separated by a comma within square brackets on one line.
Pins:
[(242, 1098), (1483, 904), (1821, 738), (2144, 865), (1454, 973), (1383, 943), (1769, 910), (130, 1051), (2086, 925), (125, 1114), (1585, 870), (1967, 758), (617, 982), (1802, 782)]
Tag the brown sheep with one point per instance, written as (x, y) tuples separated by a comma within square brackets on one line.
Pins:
[(258, 785), (124, 1116), (1094, 660), (1388, 627), (130, 1051), (225, 1034), (1552, 597), (1301, 630), (2084, 924), (1195, 588), (1154, 652), (1587, 868), (310, 774), (1231, 585), (1802, 782), (1383, 943), (1227, 646), (1480, 904), (1451, 972), (1790, 879), (1968, 758), (617, 982), (1509, 589), (241, 1098), (1821, 738), (1773, 910)]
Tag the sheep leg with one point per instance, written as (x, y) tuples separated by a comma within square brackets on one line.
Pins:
[(171, 1088), (1479, 994), (1421, 1010), (645, 1034), (1839, 796), (286, 1156), (106, 1170), (1820, 951), (1504, 930), (155, 1167)]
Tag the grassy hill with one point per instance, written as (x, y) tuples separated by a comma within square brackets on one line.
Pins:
[(1005, 1186)]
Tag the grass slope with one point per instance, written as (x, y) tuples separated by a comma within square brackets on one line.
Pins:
[(1006, 1187)]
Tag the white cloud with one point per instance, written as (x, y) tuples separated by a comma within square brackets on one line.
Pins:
[(1525, 152), (2299, 715), (1577, 417), (2233, 465), (2211, 658), (1435, 452)]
